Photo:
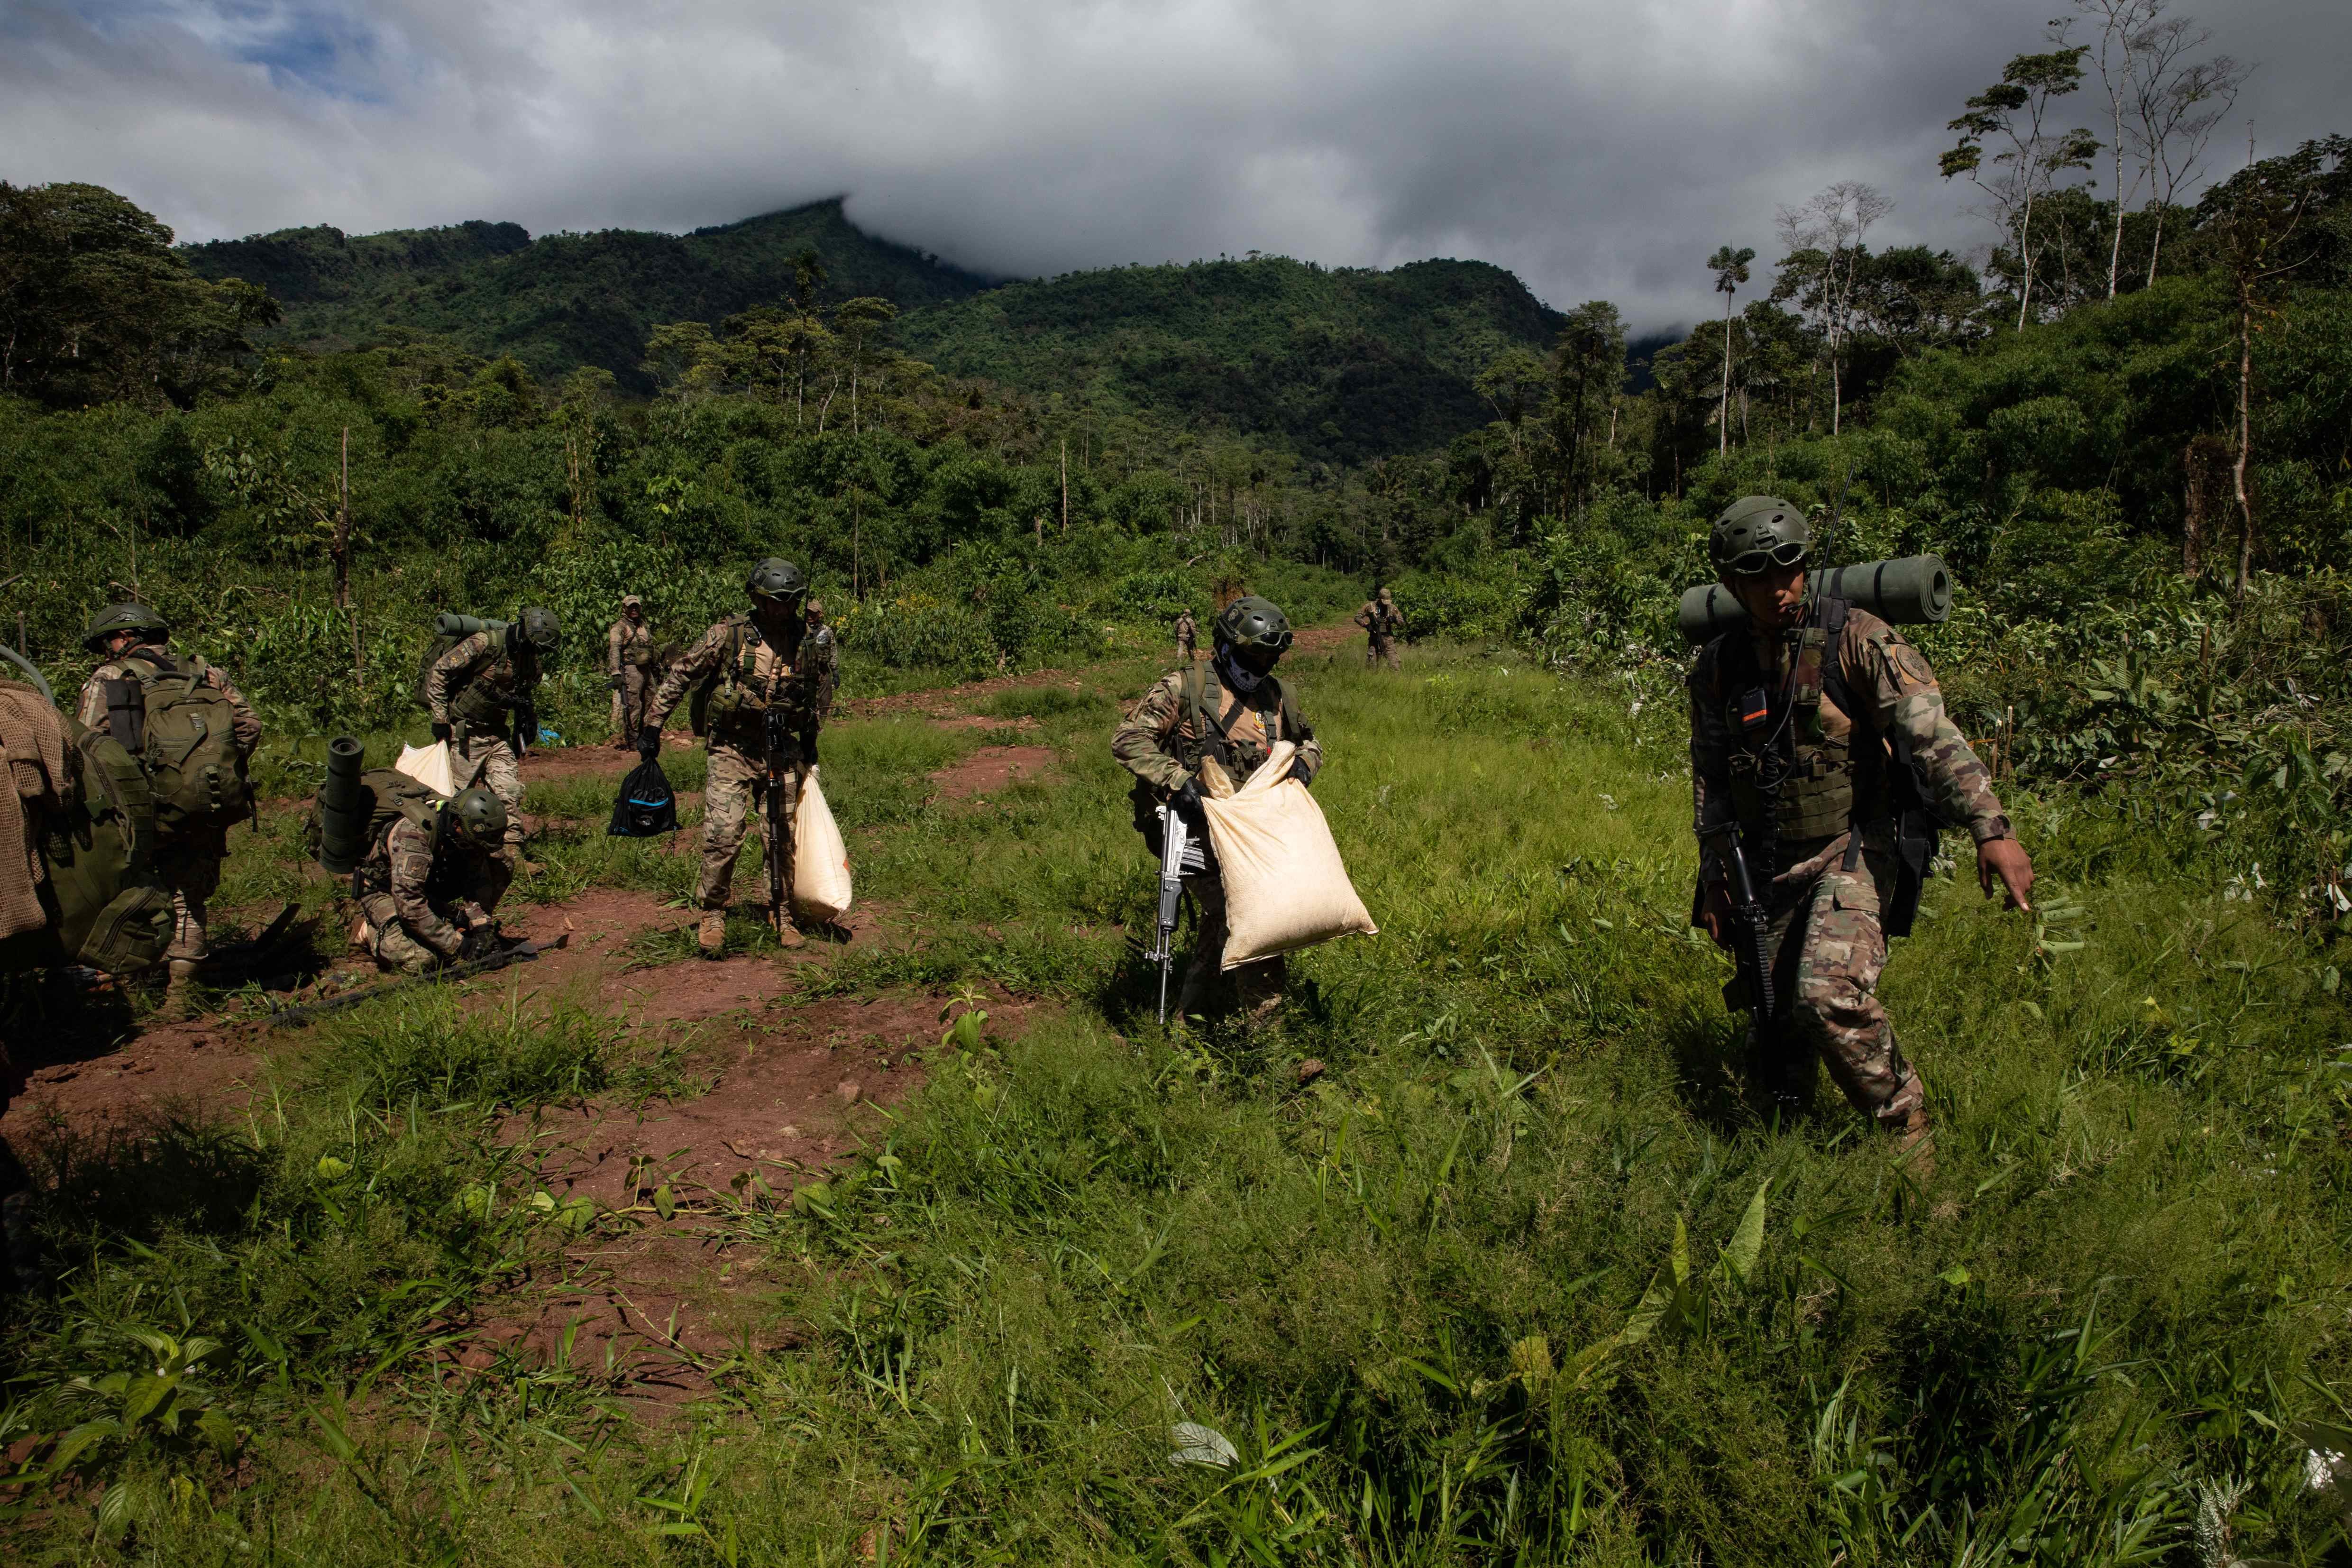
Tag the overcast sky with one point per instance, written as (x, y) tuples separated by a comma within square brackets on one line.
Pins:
[(1599, 148)]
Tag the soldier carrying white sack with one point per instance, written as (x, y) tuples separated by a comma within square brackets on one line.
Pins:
[(1233, 710)]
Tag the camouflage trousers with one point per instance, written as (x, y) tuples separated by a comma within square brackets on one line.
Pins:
[(631, 701), (388, 941), (501, 773), (1255, 990), (1828, 950), (1379, 650), (730, 802), (189, 864)]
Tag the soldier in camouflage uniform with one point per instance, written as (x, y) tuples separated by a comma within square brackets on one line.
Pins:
[(1809, 728), (1234, 710), (483, 697), (629, 663), (763, 683), (1188, 636), (1383, 623), (431, 883), (136, 642)]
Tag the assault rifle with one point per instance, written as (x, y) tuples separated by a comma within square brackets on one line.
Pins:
[(1175, 837), (516, 952), (1751, 945), (780, 888)]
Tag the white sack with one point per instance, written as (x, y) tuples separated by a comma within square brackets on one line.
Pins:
[(1284, 885), (820, 859), (430, 766)]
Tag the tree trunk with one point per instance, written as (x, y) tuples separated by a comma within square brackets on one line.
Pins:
[(2026, 260), (2154, 243), (2245, 433), (1723, 407)]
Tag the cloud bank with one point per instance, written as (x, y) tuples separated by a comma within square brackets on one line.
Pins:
[(1599, 148)]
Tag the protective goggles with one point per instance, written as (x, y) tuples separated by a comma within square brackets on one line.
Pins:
[(1754, 563)]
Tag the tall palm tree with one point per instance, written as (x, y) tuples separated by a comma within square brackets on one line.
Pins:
[(1730, 269)]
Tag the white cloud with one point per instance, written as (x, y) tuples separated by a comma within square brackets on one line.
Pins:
[(1600, 148)]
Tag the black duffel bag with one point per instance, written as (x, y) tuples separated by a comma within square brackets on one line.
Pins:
[(647, 806)]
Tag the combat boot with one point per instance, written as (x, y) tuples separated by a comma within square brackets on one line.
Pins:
[(788, 935), (1905, 1116), (712, 937), (181, 1000)]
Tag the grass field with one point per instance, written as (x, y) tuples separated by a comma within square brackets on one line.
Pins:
[(1524, 1276)]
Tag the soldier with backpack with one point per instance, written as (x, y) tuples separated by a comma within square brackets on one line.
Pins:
[(1231, 709), (433, 874), (1822, 760), (190, 732), (481, 690), (761, 684)]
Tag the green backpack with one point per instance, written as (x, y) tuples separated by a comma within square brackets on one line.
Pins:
[(105, 909), (183, 729)]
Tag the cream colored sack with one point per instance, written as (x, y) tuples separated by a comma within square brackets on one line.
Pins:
[(430, 766), (820, 859), (1284, 885)]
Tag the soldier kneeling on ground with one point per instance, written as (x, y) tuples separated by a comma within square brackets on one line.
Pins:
[(432, 881), (1234, 710), (1819, 746)]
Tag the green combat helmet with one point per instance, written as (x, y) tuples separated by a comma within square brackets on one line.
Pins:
[(774, 581), (1258, 632), (1757, 534), (538, 628), (127, 617), (477, 817)]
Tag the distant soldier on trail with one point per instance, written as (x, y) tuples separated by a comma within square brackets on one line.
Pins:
[(1233, 709), (823, 648), (1819, 745), (630, 662), (1188, 636), (483, 697), (432, 881), (761, 684), (192, 731), (1383, 623)]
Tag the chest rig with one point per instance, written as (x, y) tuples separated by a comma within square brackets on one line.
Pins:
[(1790, 779), (1212, 732), (740, 700), (497, 688)]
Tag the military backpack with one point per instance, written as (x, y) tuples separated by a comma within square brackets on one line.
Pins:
[(183, 729)]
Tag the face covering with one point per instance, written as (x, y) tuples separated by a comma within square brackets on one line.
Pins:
[(1231, 670)]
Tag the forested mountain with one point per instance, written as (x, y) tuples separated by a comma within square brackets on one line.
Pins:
[(561, 300)]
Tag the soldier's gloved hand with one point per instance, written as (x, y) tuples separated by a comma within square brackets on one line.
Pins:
[(808, 749), (444, 732), (1187, 797), (480, 942), (614, 681), (1301, 772)]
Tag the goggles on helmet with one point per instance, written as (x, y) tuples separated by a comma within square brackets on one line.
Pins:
[(1756, 562)]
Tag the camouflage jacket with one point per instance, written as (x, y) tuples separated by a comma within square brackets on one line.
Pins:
[(435, 897), (480, 682), (1187, 631), (1156, 740), (1886, 676), (627, 644), (749, 677), (1381, 620), (90, 709)]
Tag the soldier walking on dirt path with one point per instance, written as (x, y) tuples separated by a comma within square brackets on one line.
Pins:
[(1233, 709), (762, 684), (1821, 749), (1188, 636), (630, 665), (1383, 623), (482, 694), (192, 731), (430, 886)]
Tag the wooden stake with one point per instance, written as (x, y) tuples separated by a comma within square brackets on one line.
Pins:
[(1065, 484)]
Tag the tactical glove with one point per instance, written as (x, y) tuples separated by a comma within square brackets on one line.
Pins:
[(1301, 772), (480, 942), (648, 743), (615, 681), (808, 749), (1188, 795), (444, 732)]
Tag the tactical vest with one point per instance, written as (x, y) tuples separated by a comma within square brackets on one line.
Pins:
[(637, 646), (183, 729), (729, 705), (1203, 698), (104, 906), (1808, 785), (492, 693)]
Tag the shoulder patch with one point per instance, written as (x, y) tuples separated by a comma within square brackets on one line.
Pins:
[(1910, 667)]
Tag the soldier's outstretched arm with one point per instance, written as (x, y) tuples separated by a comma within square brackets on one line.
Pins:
[(441, 681), (700, 661), (1139, 742), (1910, 702), (410, 852)]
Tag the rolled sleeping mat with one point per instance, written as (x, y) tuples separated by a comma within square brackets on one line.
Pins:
[(450, 624), (345, 807), (1909, 591)]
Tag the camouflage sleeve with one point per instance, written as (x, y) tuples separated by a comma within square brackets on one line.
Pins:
[(1906, 699), (409, 849), (1142, 740), (1364, 617), (1310, 749), (699, 660), (91, 709), (614, 636), (824, 659), (1710, 752), (248, 722), (449, 671)]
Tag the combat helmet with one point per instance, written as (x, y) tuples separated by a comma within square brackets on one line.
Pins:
[(536, 628), (1757, 534), (477, 817), (131, 616), (776, 581), (1257, 632)]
